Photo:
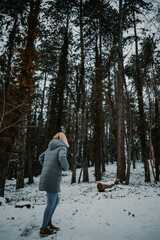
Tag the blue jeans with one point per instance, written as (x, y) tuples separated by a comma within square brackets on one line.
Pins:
[(52, 202)]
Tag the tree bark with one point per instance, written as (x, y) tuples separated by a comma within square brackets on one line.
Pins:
[(120, 145), (20, 163), (97, 116), (155, 139), (142, 124), (130, 136), (3, 174), (61, 82), (84, 122), (29, 149), (74, 164)]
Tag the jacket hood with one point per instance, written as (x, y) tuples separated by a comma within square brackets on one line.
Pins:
[(55, 143)]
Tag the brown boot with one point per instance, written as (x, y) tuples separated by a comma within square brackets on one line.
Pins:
[(53, 228), (44, 232)]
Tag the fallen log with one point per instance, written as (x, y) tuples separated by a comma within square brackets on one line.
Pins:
[(23, 204), (101, 187)]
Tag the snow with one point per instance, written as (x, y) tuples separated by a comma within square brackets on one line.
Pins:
[(122, 212)]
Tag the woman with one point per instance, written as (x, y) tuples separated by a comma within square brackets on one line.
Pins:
[(53, 160)]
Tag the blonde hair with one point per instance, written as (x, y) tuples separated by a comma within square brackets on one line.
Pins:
[(61, 136)]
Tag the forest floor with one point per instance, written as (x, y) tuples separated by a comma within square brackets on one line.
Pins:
[(121, 213)]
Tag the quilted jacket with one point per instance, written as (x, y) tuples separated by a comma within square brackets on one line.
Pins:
[(53, 161)]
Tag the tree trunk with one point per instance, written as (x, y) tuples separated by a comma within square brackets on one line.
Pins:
[(3, 173), (82, 80), (152, 154), (142, 124), (56, 113), (40, 128), (12, 36), (74, 164), (129, 145), (112, 144), (97, 116), (84, 140), (61, 81), (101, 113), (29, 149), (51, 113), (20, 163), (120, 147), (155, 140)]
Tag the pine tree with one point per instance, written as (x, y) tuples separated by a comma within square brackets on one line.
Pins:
[(20, 88), (120, 99)]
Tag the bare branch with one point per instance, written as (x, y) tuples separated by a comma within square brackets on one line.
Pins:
[(10, 125), (20, 105)]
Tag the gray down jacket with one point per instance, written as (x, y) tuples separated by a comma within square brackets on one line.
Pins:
[(53, 160)]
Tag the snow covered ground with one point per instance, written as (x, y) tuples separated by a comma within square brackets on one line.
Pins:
[(120, 213)]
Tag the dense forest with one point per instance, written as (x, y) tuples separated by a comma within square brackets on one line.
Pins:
[(89, 68)]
